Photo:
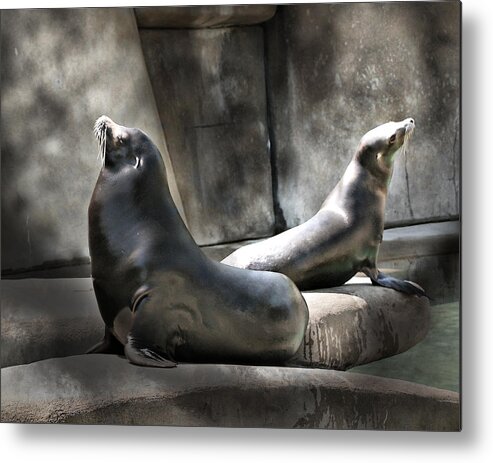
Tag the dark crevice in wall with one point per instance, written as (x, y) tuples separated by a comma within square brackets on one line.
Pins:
[(407, 188), (280, 224), (70, 268)]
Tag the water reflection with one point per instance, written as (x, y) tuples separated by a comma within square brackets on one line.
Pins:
[(434, 361)]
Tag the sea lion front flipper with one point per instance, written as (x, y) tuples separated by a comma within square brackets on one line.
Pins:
[(144, 356), (140, 348), (108, 345), (404, 286)]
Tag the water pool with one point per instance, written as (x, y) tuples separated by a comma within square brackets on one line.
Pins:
[(435, 361)]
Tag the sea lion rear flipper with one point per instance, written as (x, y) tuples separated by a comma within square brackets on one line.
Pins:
[(404, 286), (108, 345), (144, 356)]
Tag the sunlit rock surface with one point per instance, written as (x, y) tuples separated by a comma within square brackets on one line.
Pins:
[(97, 389), (356, 324)]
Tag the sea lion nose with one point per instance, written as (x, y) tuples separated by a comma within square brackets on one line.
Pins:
[(103, 123), (104, 120)]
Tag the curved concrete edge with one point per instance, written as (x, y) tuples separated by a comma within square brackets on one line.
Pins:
[(195, 17), (356, 324), (349, 325), (413, 241), (97, 389)]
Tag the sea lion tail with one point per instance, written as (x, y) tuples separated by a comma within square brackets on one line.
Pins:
[(404, 286)]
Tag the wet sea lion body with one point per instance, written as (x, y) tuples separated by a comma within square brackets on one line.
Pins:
[(344, 236), (162, 300)]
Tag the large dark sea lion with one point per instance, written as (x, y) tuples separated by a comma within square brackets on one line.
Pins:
[(161, 298), (344, 236)]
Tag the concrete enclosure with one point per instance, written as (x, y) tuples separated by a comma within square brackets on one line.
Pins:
[(259, 114), (257, 110)]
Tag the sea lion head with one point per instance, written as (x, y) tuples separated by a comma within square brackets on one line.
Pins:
[(122, 147), (378, 146)]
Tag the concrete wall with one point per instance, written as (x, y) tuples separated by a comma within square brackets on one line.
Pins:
[(260, 121), (60, 70), (337, 70), (210, 91)]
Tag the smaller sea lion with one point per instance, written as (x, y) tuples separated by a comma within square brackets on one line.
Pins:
[(344, 236)]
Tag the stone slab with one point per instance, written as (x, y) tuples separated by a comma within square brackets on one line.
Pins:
[(60, 70), (357, 324), (428, 239), (102, 389), (335, 71), (195, 17), (348, 325), (210, 92), (43, 318)]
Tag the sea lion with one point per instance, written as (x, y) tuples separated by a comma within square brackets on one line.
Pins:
[(162, 300), (344, 236)]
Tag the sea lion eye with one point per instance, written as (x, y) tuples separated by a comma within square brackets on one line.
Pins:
[(392, 139)]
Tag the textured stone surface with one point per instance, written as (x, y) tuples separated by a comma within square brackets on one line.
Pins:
[(337, 70), (210, 91), (348, 325), (203, 16), (97, 389), (60, 70), (427, 254), (356, 324), (439, 275), (43, 318), (428, 239)]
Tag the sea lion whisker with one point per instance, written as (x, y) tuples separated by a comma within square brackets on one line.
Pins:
[(100, 133), (407, 137)]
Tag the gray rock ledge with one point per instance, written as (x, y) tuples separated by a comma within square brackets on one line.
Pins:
[(355, 324), (104, 389), (349, 325)]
